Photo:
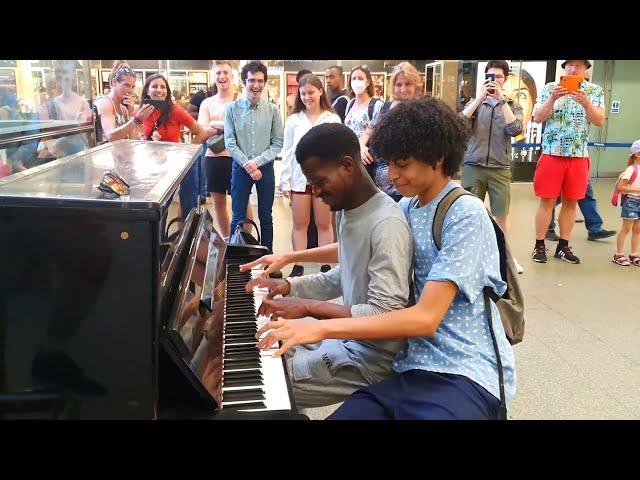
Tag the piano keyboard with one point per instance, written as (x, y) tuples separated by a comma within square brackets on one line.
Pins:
[(252, 380)]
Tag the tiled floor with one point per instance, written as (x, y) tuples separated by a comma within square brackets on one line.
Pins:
[(580, 358)]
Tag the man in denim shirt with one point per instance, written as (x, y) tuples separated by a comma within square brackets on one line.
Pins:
[(253, 135), (448, 369)]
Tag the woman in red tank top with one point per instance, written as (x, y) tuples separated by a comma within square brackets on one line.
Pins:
[(166, 121)]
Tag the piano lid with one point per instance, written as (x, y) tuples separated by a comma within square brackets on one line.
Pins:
[(152, 170)]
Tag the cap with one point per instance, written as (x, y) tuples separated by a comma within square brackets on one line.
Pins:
[(635, 147), (586, 62)]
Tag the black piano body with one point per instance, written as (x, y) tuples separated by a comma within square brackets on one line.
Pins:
[(89, 284)]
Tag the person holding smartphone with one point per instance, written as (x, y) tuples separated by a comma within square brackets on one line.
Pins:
[(494, 120), (165, 124), (563, 168)]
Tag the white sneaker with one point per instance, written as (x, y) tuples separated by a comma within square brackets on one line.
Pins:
[(519, 268)]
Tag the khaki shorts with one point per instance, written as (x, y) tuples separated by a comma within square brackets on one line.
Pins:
[(497, 181)]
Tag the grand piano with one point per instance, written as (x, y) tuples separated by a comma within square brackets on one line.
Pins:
[(105, 315)]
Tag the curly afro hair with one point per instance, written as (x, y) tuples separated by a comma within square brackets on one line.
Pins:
[(425, 129)]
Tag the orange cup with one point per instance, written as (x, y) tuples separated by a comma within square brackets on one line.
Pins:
[(571, 82)]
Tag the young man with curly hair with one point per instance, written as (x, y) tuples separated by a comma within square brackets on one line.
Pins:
[(448, 368)]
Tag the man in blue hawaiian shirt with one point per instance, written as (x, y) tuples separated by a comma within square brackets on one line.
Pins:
[(563, 167)]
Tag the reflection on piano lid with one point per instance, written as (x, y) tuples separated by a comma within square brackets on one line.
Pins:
[(214, 273), (173, 264), (210, 336)]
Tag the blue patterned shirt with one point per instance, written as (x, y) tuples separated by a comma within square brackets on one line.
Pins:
[(469, 258), (252, 132), (566, 131)]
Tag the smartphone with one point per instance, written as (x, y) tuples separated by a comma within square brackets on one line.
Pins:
[(155, 103), (491, 77), (571, 82)]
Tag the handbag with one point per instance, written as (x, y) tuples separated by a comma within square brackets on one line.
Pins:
[(216, 143), (242, 237)]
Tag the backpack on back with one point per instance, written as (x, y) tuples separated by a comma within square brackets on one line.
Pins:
[(618, 198), (511, 304)]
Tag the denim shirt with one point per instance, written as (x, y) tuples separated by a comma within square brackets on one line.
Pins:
[(252, 132)]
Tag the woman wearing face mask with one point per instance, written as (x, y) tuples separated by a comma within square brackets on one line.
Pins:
[(311, 108), (363, 106), (405, 85)]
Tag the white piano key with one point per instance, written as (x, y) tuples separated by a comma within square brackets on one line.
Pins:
[(274, 382)]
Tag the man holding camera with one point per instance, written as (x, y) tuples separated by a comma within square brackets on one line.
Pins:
[(563, 167), (487, 163)]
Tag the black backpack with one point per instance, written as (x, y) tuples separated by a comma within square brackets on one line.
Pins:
[(510, 304)]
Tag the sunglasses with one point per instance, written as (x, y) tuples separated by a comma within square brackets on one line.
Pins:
[(113, 183), (124, 70)]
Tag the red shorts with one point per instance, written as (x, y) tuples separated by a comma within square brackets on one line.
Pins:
[(561, 176)]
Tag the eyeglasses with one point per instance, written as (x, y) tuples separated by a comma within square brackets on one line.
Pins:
[(360, 67), (124, 70)]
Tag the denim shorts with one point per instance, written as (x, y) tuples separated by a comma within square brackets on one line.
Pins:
[(631, 208)]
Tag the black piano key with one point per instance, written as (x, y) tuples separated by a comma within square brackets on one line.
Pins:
[(238, 355), (240, 348), (241, 382), (239, 322), (240, 327), (250, 349), (240, 331), (247, 374), (234, 336), (242, 352), (235, 341), (231, 363), (236, 312), (244, 406), (238, 395)]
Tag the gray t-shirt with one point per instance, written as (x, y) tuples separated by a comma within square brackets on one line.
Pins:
[(373, 277)]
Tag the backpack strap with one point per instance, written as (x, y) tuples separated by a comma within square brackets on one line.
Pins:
[(372, 106), (385, 107), (441, 211), (502, 406), (333, 104), (348, 107)]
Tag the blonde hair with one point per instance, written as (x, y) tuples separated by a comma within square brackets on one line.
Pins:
[(117, 65), (633, 159), (409, 71)]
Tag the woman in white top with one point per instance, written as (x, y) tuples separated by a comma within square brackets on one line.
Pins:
[(217, 166), (362, 94), (312, 107)]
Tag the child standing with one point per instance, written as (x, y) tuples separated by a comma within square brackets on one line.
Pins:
[(629, 184)]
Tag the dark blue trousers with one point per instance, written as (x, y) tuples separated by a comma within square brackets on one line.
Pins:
[(420, 395)]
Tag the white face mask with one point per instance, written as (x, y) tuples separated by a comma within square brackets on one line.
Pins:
[(358, 86)]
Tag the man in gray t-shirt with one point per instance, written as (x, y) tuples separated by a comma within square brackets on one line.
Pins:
[(374, 250)]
